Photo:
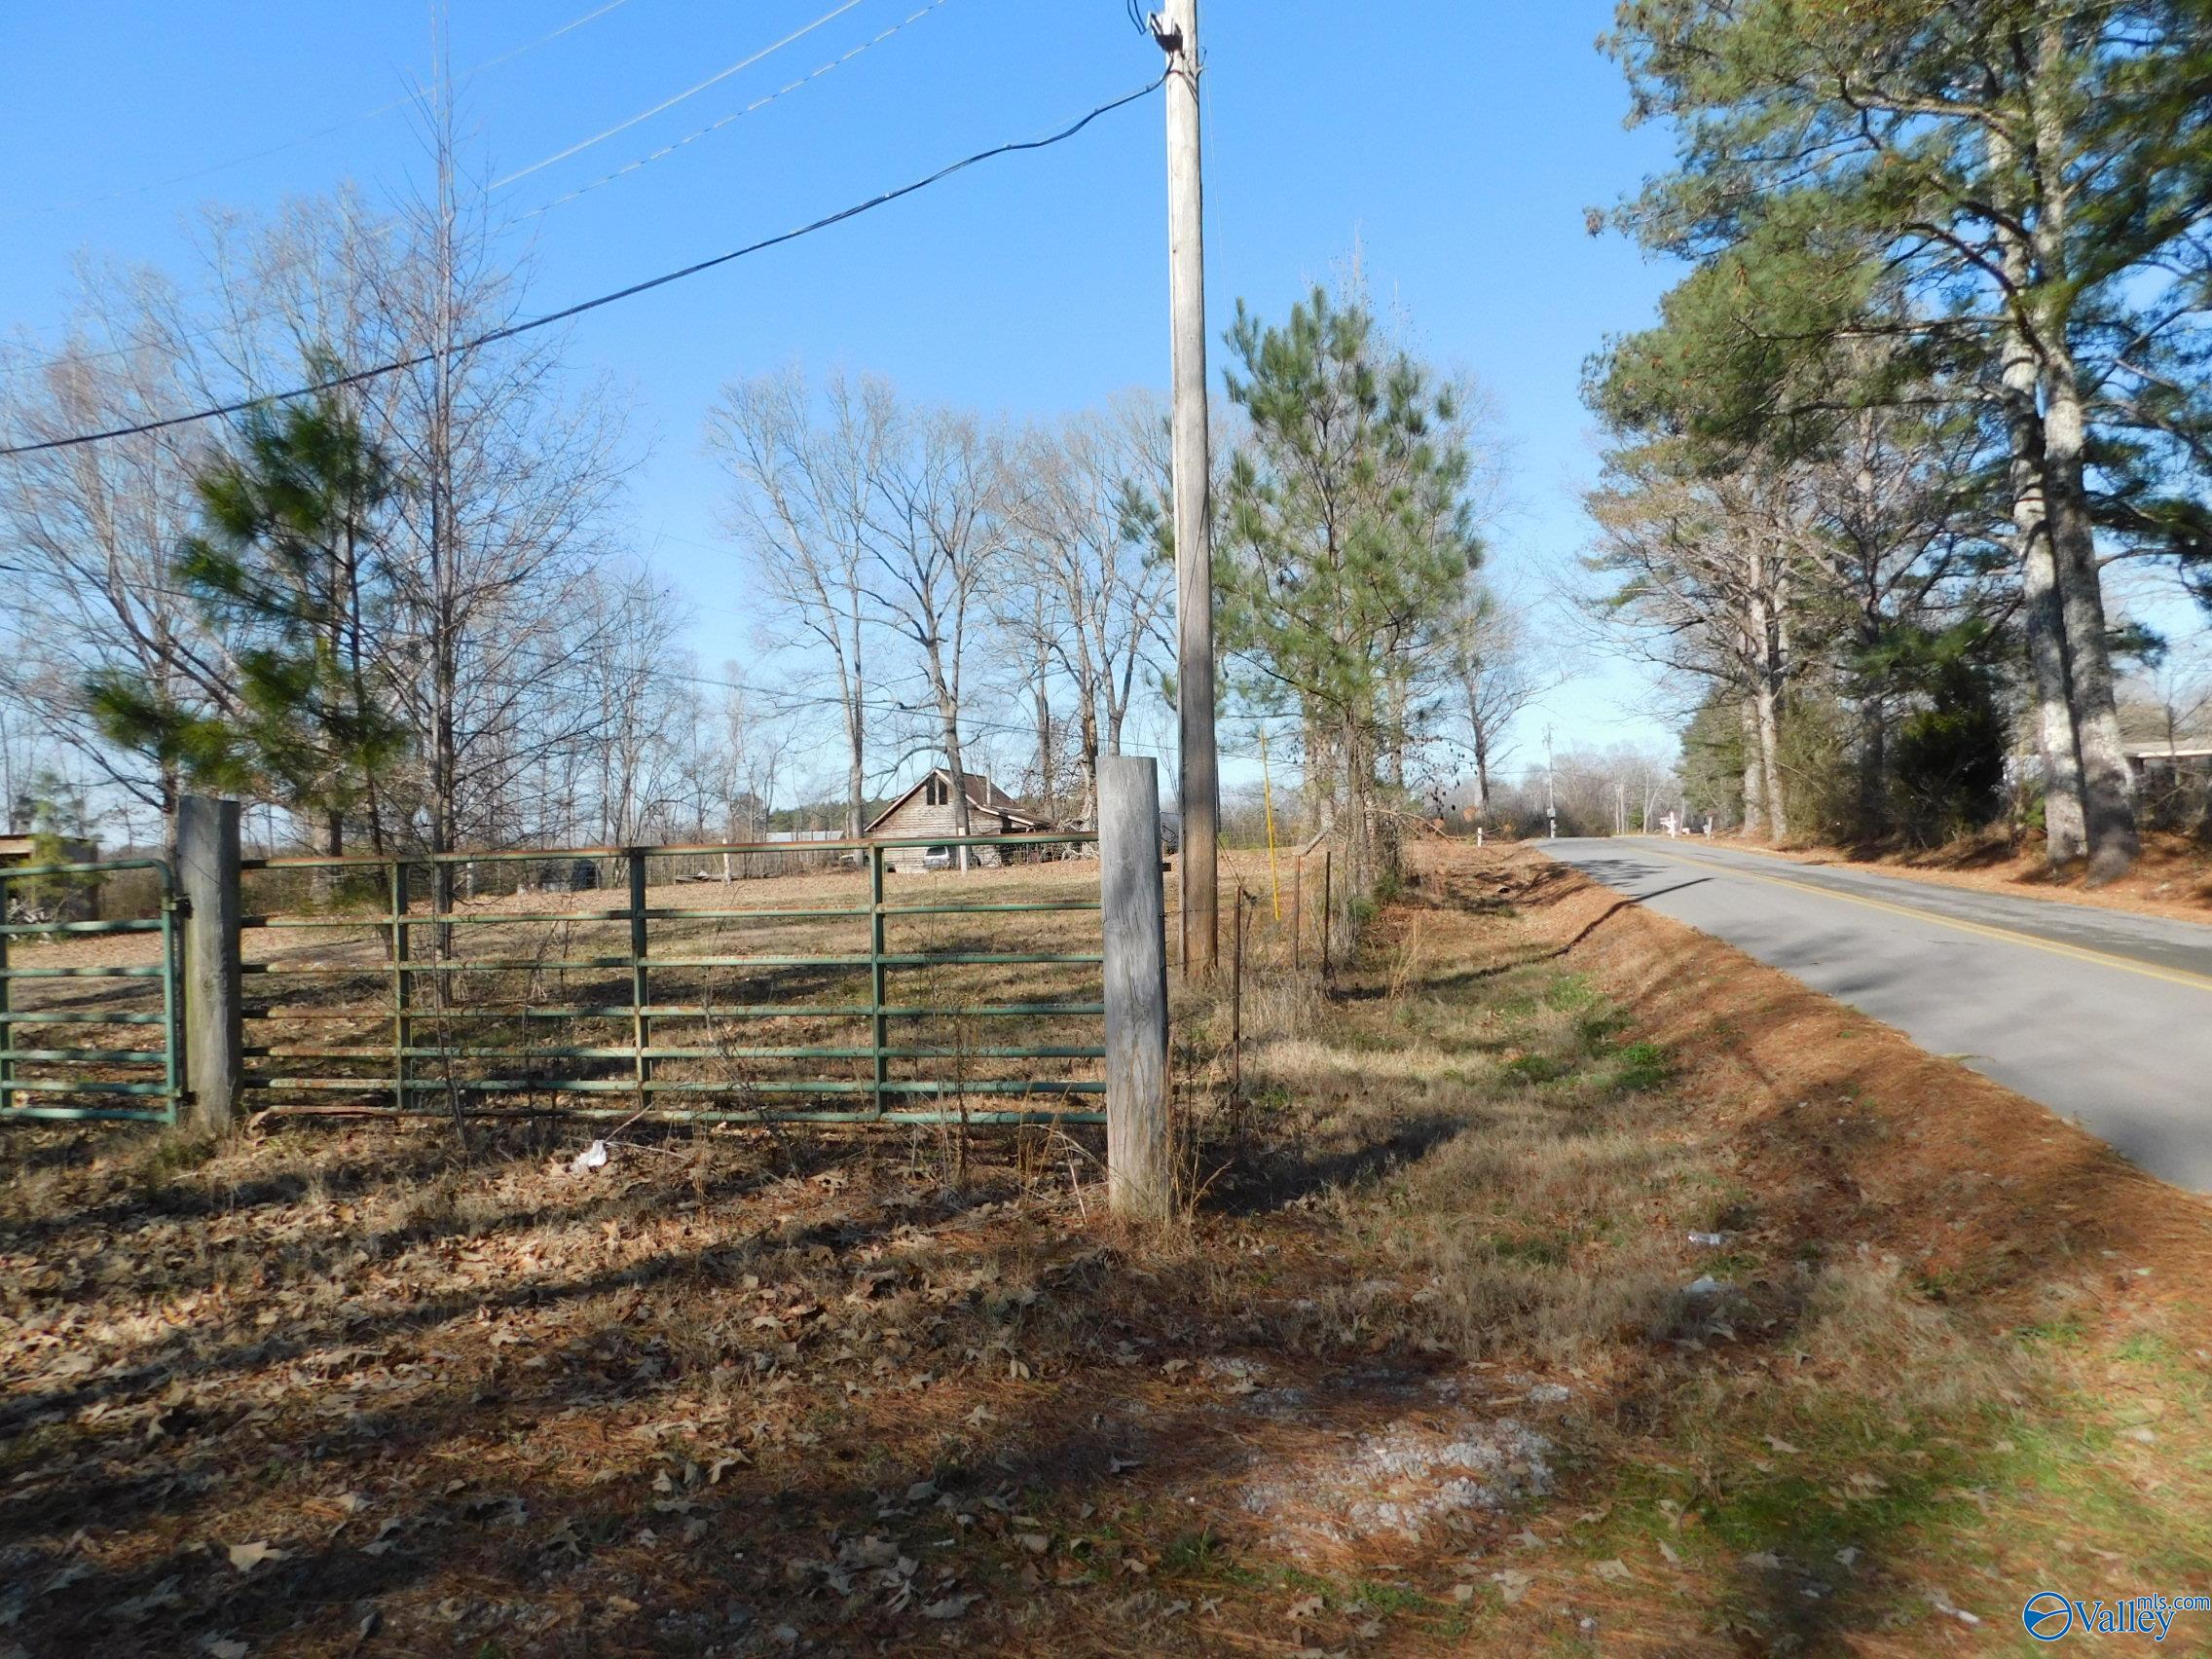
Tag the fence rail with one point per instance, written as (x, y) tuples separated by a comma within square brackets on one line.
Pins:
[(422, 1066), (89, 1069), (434, 1040)]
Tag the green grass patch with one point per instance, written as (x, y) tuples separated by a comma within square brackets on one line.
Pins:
[(1639, 1068), (1536, 1069)]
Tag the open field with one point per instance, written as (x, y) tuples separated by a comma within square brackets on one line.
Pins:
[(1420, 1373)]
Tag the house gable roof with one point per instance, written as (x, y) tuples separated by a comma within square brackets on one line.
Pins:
[(983, 796)]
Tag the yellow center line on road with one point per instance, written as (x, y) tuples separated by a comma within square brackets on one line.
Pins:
[(2008, 936)]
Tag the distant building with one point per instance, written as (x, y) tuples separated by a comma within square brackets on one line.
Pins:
[(2149, 759), (928, 810), (50, 899)]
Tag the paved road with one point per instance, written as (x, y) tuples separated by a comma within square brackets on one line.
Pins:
[(2102, 1015)]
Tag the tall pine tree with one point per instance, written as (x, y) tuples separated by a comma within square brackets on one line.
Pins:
[(1348, 542), (2031, 177)]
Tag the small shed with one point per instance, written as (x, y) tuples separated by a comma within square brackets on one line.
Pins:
[(50, 899), (927, 809)]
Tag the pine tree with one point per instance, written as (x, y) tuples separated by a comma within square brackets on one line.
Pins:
[(2031, 179), (285, 570), (1348, 544)]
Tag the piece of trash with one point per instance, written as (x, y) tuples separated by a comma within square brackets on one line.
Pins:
[(1940, 1601), (593, 1157), (1709, 1240), (1705, 1285)]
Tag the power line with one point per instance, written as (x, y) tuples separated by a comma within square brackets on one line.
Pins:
[(711, 127), (382, 109), (714, 79), (511, 330), (27, 358)]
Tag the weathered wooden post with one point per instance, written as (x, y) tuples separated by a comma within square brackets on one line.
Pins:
[(1328, 897), (640, 1025), (7, 1030), (215, 1023), (1237, 1003), (1139, 1173)]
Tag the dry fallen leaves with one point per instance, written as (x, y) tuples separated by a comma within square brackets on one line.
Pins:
[(1513, 1583)]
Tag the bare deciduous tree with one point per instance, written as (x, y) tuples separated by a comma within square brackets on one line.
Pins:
[(799, 507), (1496, 678), (1087, 579), (935, 537)]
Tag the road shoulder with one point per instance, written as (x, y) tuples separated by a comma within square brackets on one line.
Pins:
[(2186, 894)]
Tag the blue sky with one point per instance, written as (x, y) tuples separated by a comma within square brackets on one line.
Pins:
[(1455, 142)]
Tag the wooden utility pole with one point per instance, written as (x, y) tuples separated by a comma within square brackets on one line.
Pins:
[(1175, 26)]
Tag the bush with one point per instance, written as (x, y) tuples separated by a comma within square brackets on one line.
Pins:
[(1820, 767), (1947, 763)]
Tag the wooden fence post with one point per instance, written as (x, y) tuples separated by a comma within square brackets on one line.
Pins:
[(1237, 1003), (214, 1024), (1328, 894), (1139, 1171), (7, 1030), (640, 1027)]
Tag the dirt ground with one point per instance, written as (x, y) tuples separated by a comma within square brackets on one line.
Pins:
[(1434, 1363), (2173, 877)]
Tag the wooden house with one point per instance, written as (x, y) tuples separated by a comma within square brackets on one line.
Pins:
[(927, 809)]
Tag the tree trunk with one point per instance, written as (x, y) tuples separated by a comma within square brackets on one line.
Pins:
[(2108, 789), (1755, 774), (1044, 704), (958, 771), (2107, 786), (2065, 831), (1770, 761), (1766, 697), (1090, 762), (856, 733), (856, 776), (1874, 768), (1481, 767)]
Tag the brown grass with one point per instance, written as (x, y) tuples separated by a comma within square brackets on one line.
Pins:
[(1418, 1374)]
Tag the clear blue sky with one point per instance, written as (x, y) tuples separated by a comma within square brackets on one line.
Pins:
[(1456, 141)]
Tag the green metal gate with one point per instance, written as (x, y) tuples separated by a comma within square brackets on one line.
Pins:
[(638, 1024), (49, 993)]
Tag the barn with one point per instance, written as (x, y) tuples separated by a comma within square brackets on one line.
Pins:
[(927, 809)]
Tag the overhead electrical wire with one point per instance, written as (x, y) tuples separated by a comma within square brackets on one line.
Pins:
[(511, 330), (26, 358), (669, 149), (382, 109), (715, 79)]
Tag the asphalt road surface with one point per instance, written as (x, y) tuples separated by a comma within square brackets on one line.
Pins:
[(2104, 1017)]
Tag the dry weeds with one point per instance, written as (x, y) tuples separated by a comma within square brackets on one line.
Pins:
[(1420, 1372)]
